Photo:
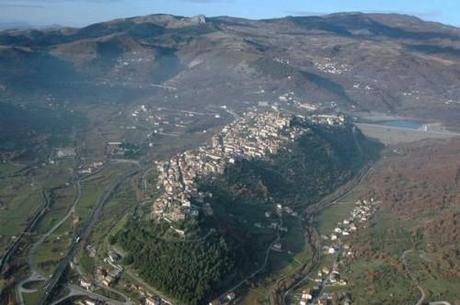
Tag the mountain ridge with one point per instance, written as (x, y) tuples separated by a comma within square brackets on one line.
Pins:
[(371, 62)]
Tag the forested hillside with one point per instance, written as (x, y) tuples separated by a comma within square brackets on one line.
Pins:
[(413, 241), (242, 218)]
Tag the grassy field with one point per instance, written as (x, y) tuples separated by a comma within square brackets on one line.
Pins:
[(21, 206), (20, 197), (87, 264), (281, 264), (31, 298), (57, 244), (93, 187), (114, 214), (378, 266), (54, 248), (433, 277), (297, 251), (327, 220), (384, 282), (7, 168), (325, 223), (61, 202), (392, 135), (20, 201)]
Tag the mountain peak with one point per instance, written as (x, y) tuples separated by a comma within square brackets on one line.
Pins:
[(170, 21)]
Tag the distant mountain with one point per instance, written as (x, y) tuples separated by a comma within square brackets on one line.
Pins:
[(14, 25), (383, 62)]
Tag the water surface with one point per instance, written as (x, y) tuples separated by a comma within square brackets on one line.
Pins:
[(403, 124)]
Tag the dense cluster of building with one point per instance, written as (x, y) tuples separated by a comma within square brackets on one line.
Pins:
[(85, 169), (362, 87), (330, 67), (148, 297), (88, 301), (105, 275), (327, 119), (330, 275), (170, 122), (252, 136)]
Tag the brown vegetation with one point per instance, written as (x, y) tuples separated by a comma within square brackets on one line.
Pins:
[(419, 187)]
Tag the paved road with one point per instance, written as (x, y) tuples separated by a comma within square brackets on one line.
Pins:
[(330, 202), (36, 276), (264, 265), (138, 279), (235, 115), (422, 295), (76, 291), (127, 299), (409, 273), (82, 235), (12, 249), (127, 161), (313, 210), (56, 226)]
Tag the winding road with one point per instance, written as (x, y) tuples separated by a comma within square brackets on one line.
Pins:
[(264, 265), (412, 277), (36, 276), (76, 291), (312, 233), (83, 234), (13, 248)]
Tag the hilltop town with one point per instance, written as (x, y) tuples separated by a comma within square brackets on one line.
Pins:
[(255, 135)]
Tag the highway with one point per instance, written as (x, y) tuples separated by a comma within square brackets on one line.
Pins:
[(83, 234), (36, 275), (29, 228), (76, 291)]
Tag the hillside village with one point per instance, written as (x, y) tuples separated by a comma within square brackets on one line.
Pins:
[(255, 135), (336, 245)]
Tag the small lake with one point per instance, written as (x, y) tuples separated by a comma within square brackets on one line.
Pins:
[(402, 124)]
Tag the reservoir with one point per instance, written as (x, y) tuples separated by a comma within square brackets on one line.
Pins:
[(402, 124)]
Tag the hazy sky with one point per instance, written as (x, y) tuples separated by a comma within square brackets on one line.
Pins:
[(83, 12)]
